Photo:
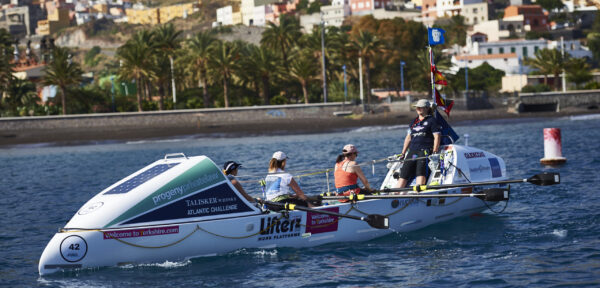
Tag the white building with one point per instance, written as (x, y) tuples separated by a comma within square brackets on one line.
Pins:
[(527, 48), (227, 16), (252, 14), (334, 14), (507, 62), (475, 12)]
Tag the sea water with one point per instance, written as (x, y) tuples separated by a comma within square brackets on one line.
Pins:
[(547, 236)]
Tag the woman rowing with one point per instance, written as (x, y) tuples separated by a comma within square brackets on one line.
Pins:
[(347, 173), (280, 184)]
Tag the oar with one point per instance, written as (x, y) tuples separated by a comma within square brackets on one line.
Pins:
[(542, 179), (374, 220), (492, 194)]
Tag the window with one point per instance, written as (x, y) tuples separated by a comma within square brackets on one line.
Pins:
[(474, 10), (490, 50), (535, 49), (501, 50), (524, 52), (513, 49), (572, 46)]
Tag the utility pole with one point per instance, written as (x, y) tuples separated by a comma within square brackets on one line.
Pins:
[(345, 87), (402, 63), (323, 59), (562, 50), (173, 83), (362, 101)]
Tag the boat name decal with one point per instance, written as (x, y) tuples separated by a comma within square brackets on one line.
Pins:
[(212, 209), (272, 228), (320, 223), (470, 155), (183, 189), (131, 233)]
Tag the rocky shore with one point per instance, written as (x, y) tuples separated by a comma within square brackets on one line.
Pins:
[(241, 125)]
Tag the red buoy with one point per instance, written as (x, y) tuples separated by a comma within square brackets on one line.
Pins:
[(552, 147)]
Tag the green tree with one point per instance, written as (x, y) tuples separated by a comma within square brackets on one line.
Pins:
[(593, 40), (304, 70), (263, 62), (223, 62), (548, 61), (282, 37), (6, 66), (578, 71), (63, 72), (20, 94), (166, 42), (137, 56), (199, 47), (367, 45), (550, 4)]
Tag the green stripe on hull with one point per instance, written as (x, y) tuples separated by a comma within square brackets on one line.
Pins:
[(198, 177)]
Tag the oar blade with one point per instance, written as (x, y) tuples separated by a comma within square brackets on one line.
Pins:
[(545, 179), (378, 221), (495, 194)]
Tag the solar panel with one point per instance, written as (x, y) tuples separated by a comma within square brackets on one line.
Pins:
[(140, 179)]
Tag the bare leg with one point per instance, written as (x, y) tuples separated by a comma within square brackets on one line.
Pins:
[(420, 180), (401, 183)]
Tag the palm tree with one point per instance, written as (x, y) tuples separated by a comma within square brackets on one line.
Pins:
[(548, 61), (262, 62), (63, 72), (303, 69), (21, 93), (578, 71), (223, 62), (166, 41), (282, 37), (199, 47), (6, 66), (367, 45), (136, 56), (421, 70)]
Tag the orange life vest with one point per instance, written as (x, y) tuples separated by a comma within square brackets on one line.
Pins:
[(345, 182)]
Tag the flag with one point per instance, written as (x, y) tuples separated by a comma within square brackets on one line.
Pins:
[(446, 130), (436, 36), (438, 78), (443, 103)]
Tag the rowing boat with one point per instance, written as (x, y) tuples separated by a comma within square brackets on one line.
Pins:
[(183, 207)]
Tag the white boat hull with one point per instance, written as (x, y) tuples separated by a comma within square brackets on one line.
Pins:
[(76, 249)]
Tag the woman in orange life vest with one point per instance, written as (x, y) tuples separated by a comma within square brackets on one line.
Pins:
[(347, 172)]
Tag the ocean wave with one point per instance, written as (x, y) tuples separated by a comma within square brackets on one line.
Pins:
[(559, 233), (166, 264), (378, 128), (584, 117)]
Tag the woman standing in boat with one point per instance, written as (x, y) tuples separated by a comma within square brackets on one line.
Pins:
[(280, 184), (422, 140), (347, 173)]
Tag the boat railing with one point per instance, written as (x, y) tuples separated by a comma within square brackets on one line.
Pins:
[(175, 155)]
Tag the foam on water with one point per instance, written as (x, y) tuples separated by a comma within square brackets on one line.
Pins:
[(559, 233), (378, 128), (166, 264), (584, 117)]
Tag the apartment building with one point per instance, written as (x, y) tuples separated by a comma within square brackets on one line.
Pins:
[(334, 14), (158, 15), (533, 15)]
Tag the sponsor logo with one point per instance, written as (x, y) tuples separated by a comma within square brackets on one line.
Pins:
[(418, 128), (320, 223), (474, 155), (132, 233), (479, 169), (272, 228), (184, 189), (73, 248)]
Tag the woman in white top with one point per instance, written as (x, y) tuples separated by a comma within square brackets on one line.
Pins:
[(280, 184)]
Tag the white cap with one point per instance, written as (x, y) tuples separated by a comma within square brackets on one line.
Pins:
[(279, 155), (422, 103)]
